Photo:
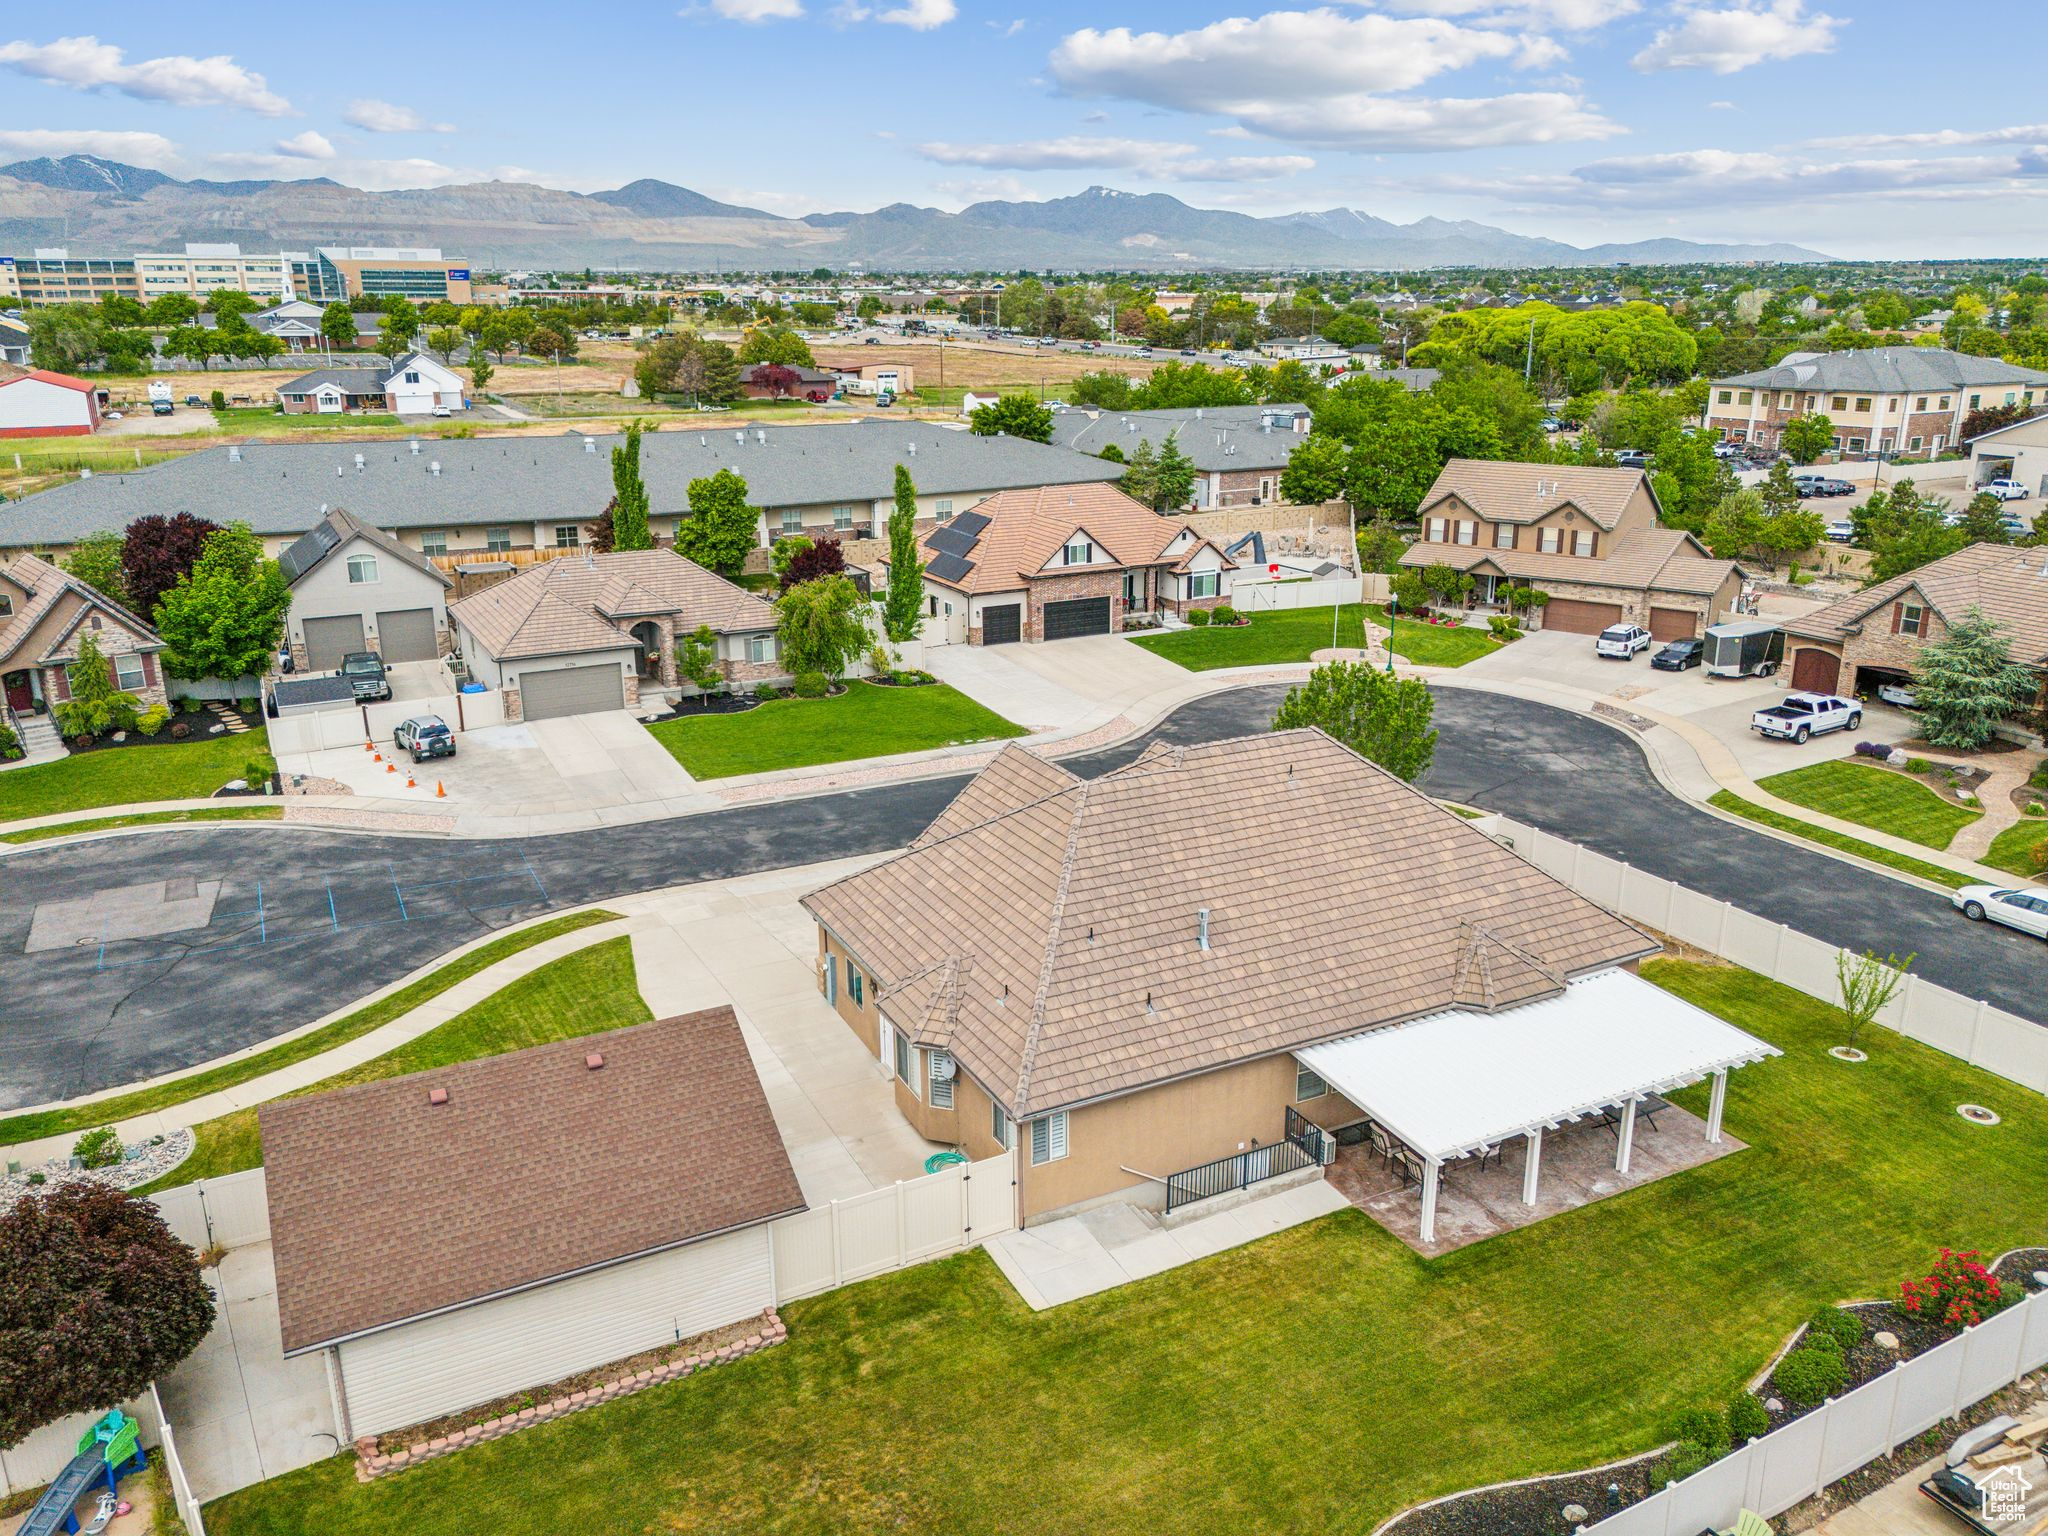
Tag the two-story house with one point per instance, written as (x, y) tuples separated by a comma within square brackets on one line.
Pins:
[(1587, 537), (1880, 400)]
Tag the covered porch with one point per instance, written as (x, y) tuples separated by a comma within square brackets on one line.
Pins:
[(1481, 1122)]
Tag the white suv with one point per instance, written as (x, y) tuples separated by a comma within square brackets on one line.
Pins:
[(1807, 714), (1622, 640)]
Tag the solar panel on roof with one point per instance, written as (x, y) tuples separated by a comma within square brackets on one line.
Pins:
[(969, 522), (307, 551), (953, 541), (949, 567)]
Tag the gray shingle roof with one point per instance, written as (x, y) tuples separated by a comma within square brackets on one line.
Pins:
[(336, 529), (278, 488), (1887, 370), (1221, 437), (354, 381)]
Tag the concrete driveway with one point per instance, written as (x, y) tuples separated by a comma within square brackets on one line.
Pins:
[(1056, 684)]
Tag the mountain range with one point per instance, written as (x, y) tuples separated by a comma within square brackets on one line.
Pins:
[(104, 208)]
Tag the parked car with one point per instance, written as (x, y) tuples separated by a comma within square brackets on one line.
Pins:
[(1727, 450), (1632, 458), (1807, 714), (160, 408), (1679, 655), (1622, 641), (1841, 531), (2005, 489), (1822, 485), (442, 410), (1550, 423), (872, 341), (1899, 694), (365, 673), (424, 736), (2023, 907)]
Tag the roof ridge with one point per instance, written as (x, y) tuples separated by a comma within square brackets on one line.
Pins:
[(1028, 1058)]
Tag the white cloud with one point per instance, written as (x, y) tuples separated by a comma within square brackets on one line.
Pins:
[(146, 149), (1151, 159), (307, 146), (918, 15), (987, 189), (1008, 28), (1720, 106), (1726, 41), (1940, 138), (373, 116), (1567, 15), (750, 11), (371, 174), (1228, 131), (1320, 77), (87, 64)]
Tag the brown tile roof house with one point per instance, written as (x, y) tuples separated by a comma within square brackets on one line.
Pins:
[(590, 604), (1027, 529), (1046, 932), (2009, 584), (387, 1207), (1513, 492)]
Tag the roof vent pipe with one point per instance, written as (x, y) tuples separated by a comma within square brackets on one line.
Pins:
[(235, 453), (761, 436), (1202, 927), (740, 437), (85, 472), (415, 447), (590, 445), (434, 467)]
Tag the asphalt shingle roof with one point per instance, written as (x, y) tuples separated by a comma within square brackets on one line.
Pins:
[(1021, 531), (1886, 371), (1216, 437), (279, 488)]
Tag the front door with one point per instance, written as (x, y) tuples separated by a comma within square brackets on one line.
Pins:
[(21, 694)]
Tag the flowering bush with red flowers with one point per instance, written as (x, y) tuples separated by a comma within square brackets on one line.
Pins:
[(1958, 1294)]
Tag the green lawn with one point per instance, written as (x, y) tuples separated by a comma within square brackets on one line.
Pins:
[(1873, 797), (188, 770), (1293, 634), (142, 1101), (2013, 849), (1317, 1380), (1764, 816), (580, 994), (267, 421), (144, 818), (867, 720)]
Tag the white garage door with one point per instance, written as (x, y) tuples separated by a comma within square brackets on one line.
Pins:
[(571, 691), (330, 639), (442, 1364), (407, 634)]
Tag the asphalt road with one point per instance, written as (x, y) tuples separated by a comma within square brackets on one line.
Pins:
[(304, 921)]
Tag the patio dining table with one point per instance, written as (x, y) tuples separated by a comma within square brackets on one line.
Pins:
[(1648, 1108)]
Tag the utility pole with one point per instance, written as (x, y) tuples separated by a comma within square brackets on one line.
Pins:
[(1529, 361)]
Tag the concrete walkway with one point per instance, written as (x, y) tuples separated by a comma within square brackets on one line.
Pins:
[(1098, 1250), (1995, 795)]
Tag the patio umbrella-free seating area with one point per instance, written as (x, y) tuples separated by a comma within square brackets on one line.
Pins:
[(1477, 1093)]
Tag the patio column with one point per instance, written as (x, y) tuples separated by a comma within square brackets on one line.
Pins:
[(1625, 1139), (1715, 1105), (1430, 1170), (1532, 1166)]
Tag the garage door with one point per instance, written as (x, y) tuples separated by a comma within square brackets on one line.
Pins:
[(1077, 616), (328, 640), (1673, 624), (1578, 618), (571, 691), (1815, 671), (407, 634), (1002, 626)]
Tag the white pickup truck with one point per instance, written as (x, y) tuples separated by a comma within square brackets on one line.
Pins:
[(1807, 714)]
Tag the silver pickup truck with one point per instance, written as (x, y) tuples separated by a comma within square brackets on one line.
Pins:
[(1807, 714)]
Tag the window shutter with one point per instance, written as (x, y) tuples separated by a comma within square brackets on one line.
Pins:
[(148, 670), (1898, 613), (61, 676)]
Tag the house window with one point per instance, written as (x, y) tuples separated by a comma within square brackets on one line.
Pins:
[(1307, 1085), (1855, 445), (1920, 404), (1503, 535), (412, 376), (998, 1125), (497, 540), (1049, 1138), (1468, 533), (943, 508), (1913, 444), (760, 648), (1582, 541), (1891, 406), (842, 518), (856, 984), (1550, 540), (2011, 397), (931, 606), (1787, 400), (1944, 403), (1975, 401), (792, 520), (1202, 583), (362, 569), (128, 673), (1840, 403), (904, 1057), (434, 541), (1863, 402), (941, 1074), (1912, 617), (1743, 398), (1438, 530), (1726, 396), (1078, 552)]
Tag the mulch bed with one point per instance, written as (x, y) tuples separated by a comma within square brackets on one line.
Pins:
[(904, 680), (1533, 1509), (202, 726), (710, 704)]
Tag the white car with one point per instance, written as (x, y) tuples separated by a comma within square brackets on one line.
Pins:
[(1622, 640), (2005, 490), (1842, 531), (1900, 694), (2024, 908), (442, 410), (1807, 714)]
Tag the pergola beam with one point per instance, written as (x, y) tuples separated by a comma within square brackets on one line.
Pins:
[(1625, 1138), (1431, 1170), (1532, 1168), (1716, 1103)]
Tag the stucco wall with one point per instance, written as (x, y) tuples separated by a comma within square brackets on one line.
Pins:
[(326, 591)]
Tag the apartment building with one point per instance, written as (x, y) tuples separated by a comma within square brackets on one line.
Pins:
[(337, 272), (1881, 400), (204, 269), (52, 275)]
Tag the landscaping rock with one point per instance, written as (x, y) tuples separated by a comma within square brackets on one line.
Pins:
[(1574, 1514), (1885, 1340), (1773, 1405), (1896, 758)]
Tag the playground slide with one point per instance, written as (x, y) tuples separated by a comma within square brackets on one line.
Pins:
[(107, 1453)]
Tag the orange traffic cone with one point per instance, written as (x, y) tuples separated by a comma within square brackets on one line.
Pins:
[(369, 746), (391, 767), (440, 790), (378, 757), (409, 784)]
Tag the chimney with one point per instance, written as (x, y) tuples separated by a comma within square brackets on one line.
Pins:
[(593, 1061), (434, 467), (437, 1095), (1202, 927)]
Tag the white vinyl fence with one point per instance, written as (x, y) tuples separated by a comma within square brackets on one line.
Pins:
[(349, 725), (232, 1211), (226, 689), (1255, 596), (181, 1485), (907, 1223), (1771, 1474), (1987, 1037)]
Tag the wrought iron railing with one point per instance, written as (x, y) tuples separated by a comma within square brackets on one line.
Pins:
[(1307, 1135), (1242, 1169)]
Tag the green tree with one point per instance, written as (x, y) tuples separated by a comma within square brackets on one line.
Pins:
[(1967, 681), (868, 307), (784, 552), (65, 337), (338, 326), (1383, 718), (1689, 480), (776, 344), (226, 615), (821, 626), (401, 324), (1790, 533), (1013, 416), (1173, 482), (903, 607), (1380, 546), (697, 659), (227, 304), (1866, 985), (97, 704), (1807, 437), (721, 527), (1984, 520), (1315, 471), (96, 561), (1140, 479), (1777, 492), (1393, 463), (1735, 524), (172, 309), (1104, 390), (629, 507), (1908, 540), (480, 369), (444, 339)]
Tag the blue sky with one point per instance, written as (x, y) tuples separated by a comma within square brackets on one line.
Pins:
[(1861, 129)]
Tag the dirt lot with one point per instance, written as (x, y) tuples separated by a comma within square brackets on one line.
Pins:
[(972, 365)]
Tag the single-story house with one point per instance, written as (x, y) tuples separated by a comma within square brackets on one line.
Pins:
[(415, 385), (779, 381), (1875, 637), (34, 402), (1058, 966), (573, 636), (356, 588), (1588, 537), (2018, 452), (45, 615), (456, 1235), (1238, 450), (1054, 562)]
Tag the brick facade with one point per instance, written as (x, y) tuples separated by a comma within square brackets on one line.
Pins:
[(114, 640)]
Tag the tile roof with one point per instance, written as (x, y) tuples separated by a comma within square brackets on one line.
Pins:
[(1886, 370), (1070, 921), (1506, 491), (1653, 559), (1014, 779), (1215, 437), (2009, 584), (562, 607), (1025, 529), (336, 529), (384, 1207), (278, 488), (45, 584)]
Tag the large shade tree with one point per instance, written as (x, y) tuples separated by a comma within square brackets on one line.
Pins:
[(1967, 681), (157, 552), (1379, 716), (227, 616)]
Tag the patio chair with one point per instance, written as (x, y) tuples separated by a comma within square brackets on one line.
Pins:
[(1382, 1144), (1409, 1162)]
